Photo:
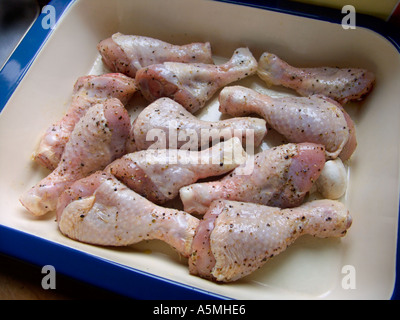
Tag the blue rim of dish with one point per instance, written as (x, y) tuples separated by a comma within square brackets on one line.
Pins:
[(104, 273)]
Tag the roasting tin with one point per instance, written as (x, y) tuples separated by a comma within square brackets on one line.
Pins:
[(35, 89)]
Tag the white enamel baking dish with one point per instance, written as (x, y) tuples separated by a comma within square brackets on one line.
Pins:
[(362, 265)]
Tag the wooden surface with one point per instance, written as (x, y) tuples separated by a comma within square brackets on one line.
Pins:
[(22, 281)]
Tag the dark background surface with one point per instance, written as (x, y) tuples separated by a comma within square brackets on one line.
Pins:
[(15, 18)]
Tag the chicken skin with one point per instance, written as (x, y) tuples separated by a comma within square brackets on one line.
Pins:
[(193, 84), (316, 119), (279, 177), (88, 91), (173, 127), (101, 210), (98, 138), (342, 85), (159, 174), (236, 238), (128, 53)]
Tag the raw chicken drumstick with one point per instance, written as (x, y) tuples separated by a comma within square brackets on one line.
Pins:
[(88, 91), (316, 119), (193, 84), (236, 238), (342, 85), (175, 127), (97, 139), (279, 177), (101, 210), (128, 53), (159, 174)]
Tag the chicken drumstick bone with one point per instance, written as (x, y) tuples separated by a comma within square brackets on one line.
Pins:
[(129, 53), (280, 177), (193, 84), (174, 127), (159, 174), (316, 119), (236, 238)]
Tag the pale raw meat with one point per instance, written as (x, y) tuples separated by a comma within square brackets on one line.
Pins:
[(340, 84), (316, 119), (101, 210), (193, 84), (166, 124), (236, 238), (88, 91), (159, 174), (98, 138), (280, 177), (128, 53)]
